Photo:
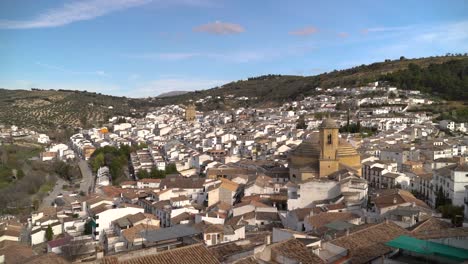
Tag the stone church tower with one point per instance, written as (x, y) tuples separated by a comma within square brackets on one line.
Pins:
[(322, 154), (328, 140), (190, 112)]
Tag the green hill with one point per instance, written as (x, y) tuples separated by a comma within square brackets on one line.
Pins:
[(43, 110), (50, 109), (270, 89)]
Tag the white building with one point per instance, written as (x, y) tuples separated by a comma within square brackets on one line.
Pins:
[(452, 179), (306, 193), (103, 177), (43, 139), (102, 217)]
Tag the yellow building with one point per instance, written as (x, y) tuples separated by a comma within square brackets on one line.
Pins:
[(323, 154), (190, 112)]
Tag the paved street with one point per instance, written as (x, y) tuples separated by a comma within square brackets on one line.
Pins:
[(47, 201), (87, 184)]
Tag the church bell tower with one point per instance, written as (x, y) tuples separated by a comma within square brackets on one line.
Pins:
[(328, 146)]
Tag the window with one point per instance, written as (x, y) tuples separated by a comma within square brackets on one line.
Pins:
[(208, 237), (329, 139)]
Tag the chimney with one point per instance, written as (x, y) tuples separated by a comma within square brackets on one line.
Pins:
[(347, 231), (394, 200), (268, 239)]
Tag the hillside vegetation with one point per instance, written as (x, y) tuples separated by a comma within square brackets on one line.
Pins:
[(49, 109), (281, 88), (52, 110)]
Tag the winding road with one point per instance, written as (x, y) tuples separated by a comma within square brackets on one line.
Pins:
[(87, 184)]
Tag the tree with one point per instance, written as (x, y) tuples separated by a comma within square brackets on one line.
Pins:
[(143, 174), (49, 234), (301, 122), (441, 199), (98, 161), (88, 228), (157, 174), (171, 169), (450, 211), (19, 174), (402, 58)]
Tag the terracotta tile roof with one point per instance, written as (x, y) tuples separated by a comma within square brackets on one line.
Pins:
[(443, 233), (368, 243), (398, 197), (128, 183), (194, 254), (251, 202), (132, 233), (322, 219), (430, 224), (270, 216), (112, 191), (301, 213), (225, 250), (149, 180), (99, 209), (248, 260), (50, 258), (228, 185), (15, 253), (295, 250), (183, 183), (336, 206), (182, 217), (224, 206)]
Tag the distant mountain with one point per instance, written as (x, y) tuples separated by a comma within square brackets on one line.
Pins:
[(172, 93)]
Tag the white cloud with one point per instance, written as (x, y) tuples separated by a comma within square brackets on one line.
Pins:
[(415, 41), (156, 87), (81, 10), (72, 12), (304, 31), (220, 28)]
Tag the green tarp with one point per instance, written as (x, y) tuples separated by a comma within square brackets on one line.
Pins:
[(428, 248)]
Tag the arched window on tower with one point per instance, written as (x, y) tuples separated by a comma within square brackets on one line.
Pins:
[(329, 139)]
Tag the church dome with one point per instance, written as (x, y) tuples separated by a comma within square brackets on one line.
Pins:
[(307, 148), (329, 123), (346, 149)]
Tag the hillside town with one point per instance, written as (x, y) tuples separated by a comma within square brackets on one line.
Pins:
[(349, 175)]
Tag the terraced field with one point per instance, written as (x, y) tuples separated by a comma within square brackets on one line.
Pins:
[(45, 110)]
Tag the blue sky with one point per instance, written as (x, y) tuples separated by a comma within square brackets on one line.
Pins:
[(141, 48)]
